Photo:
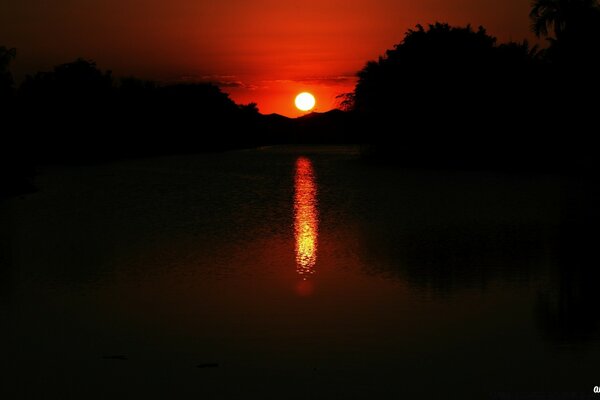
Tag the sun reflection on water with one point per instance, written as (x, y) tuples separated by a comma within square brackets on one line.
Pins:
[(306, 219)]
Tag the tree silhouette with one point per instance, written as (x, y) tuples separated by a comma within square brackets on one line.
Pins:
[(249, 109), (440, 65), (71, 82), (16, 173), (77, 113), (452, 97), (456, 74), (575, 26), (562, 17), (573, 29), (6, 79)]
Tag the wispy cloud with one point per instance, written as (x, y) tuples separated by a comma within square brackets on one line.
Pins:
[(319, 80), (336, 79), (223, 81)]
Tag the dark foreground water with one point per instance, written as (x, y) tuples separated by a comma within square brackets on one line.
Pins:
[(297, 273)]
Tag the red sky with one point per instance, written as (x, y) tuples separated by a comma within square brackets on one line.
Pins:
[(262, 51)]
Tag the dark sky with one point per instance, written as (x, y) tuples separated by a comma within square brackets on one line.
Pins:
[(263, 51)]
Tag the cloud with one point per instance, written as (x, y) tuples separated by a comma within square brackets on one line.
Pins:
[(337, 79), (229, 84), (227, 81), (320, 80), (223, 81)]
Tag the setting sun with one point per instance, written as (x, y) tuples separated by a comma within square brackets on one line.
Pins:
[(305, 101)]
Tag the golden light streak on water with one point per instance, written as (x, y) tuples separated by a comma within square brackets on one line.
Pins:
[(306, 218)]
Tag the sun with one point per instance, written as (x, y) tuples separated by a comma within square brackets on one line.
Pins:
[(305, 101)]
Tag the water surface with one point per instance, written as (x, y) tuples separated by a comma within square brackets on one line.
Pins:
[(296, 273)]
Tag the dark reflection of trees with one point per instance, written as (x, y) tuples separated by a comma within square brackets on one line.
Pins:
[(460, 241), (567, 311), (5, 265), (444, 259), (443, 232)]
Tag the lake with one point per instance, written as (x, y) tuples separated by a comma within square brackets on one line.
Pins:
[(298, 273)]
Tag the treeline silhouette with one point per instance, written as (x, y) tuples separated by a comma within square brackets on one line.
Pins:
[(454, 97), (78, 113)]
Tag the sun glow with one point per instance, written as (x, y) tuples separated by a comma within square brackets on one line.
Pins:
[(306, 219), (305, 101)]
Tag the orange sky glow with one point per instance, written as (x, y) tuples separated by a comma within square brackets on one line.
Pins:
[(263, 51)]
